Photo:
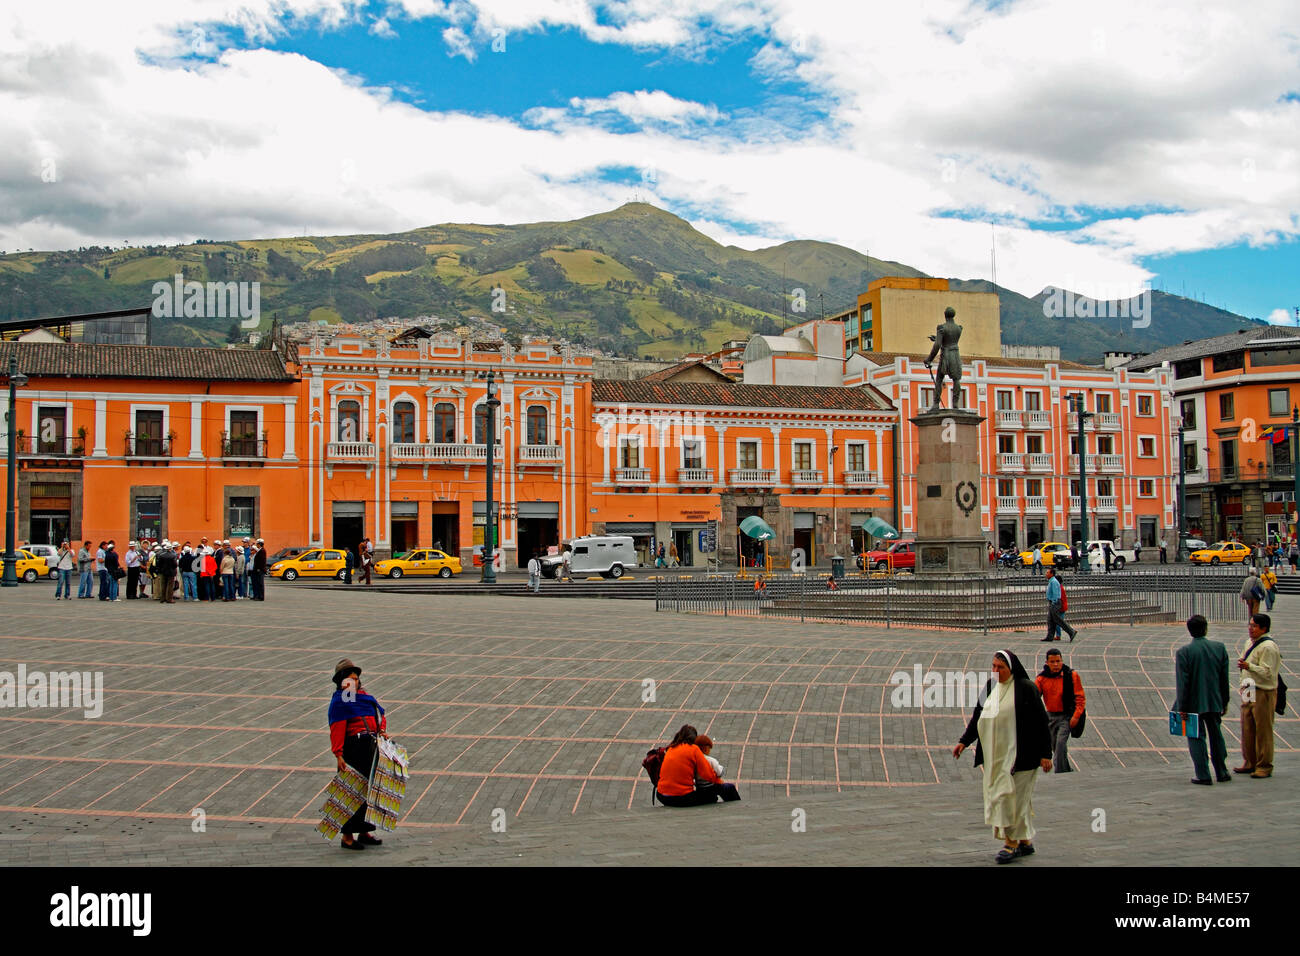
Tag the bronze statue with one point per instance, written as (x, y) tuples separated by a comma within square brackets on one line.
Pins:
[(945, 346)]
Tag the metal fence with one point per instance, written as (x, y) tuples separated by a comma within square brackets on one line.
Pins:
[(980, 603)]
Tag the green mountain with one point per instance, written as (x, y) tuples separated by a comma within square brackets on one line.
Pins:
[(636, 280)]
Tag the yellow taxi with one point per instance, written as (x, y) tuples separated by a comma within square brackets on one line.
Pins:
[(316, 563), (1224, 552), (29, 567), (1051, 550), (420, 561)]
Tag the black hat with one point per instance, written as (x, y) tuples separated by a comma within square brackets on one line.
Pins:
[(343, 668)]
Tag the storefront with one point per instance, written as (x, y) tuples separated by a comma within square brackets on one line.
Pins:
[(404, 531), (643, 538), (538, 528)]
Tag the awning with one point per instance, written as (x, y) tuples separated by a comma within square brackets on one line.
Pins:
[(538, 509), (879, 528), (635, 528), (757, 528)]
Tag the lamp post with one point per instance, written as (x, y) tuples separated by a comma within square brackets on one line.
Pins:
[(1182, 495), (1295, 461), (835, 513), (489, 531), (16, 381), (1077, 403)]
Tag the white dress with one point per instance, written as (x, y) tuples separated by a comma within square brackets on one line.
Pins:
[(1008, 797)]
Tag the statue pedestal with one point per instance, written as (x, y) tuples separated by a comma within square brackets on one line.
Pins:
[(949, 539)]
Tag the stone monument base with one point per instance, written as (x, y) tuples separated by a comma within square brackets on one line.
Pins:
[(949, 539)]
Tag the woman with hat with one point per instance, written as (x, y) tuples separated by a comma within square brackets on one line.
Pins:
[(1012, 741), (355, 720)]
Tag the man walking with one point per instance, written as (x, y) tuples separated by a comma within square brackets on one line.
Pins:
[(347, 565), (1260, 666), (86, 565), (1064, 700), (257, 576), (566, 565), (1163, 560), (1201, 688), (1055, 610), (534, 574), (1038, 559)]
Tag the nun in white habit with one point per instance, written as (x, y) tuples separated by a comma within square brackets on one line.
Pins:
[(1012, 742)]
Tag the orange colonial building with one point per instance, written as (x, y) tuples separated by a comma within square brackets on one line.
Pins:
[(123, 441)]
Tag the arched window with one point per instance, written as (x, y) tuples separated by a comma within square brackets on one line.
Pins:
[(480, 423), (537, 431), (444, 423), (404, 422), (349, 421)]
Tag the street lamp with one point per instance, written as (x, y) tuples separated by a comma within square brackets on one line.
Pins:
[(835, 514), (16, 381), (489, 531), (1076, 400), (1295, 461), (1182, 494)]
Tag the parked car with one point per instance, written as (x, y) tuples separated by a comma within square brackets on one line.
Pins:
[(900, 555), (420, 561), (1224, 552), (48, 552), (284, 554), (607, 555), (318, 563), (1119, 556), (1054, 553), (32, 567)]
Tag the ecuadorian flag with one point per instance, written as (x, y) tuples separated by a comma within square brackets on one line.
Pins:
[(1275, 433)]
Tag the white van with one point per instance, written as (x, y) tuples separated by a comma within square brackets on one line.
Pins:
[(607, 555)]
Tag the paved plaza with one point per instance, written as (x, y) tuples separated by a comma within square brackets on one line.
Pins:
[(535, 715)]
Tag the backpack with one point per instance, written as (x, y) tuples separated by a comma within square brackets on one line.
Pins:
[(654, 759), (1065, 602)]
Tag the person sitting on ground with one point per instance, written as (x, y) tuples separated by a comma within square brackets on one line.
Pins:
[(686, 778), (760, 587), (705, 743)]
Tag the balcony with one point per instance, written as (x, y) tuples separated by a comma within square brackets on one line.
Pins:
[(1011, 462), (632, 476), (1039, 420), (857, 479), (542, 454), (253, 449), (31, 447), (426, 452), (1040, 463), (1106, 503), (695, 476), (1259, 472), (1036, 505), (1108, 420), (804, 477), (1072, 422), (350, 450), (1009, 418), (752, 477), (1008, 503), (154, 450), (1099, 463)]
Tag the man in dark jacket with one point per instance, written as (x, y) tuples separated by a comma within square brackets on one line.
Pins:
[(164, 565), (1201, 677), (257, 577)]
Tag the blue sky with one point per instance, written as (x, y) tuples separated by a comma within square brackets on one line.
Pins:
[(1149, 150)]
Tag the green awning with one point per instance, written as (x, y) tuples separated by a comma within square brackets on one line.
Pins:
[(879, 528), (757, 528)]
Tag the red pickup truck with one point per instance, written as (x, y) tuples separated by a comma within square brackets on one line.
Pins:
[(900, 554)]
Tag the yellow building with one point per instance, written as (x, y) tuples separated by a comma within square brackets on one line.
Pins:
[(899, 314)]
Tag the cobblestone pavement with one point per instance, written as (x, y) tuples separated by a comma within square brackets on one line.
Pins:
[(540, 711)]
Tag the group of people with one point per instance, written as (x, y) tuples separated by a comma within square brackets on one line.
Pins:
[(1266, 555), (222, 571), (1020, 727), (1257, 587), (363, 561)]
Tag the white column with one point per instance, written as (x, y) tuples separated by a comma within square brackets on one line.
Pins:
[(290, 410), (196, 429), (101, 428), (722, 455), (776, 451), (661, 433)]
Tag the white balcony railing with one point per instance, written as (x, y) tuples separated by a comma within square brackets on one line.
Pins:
[(694, 476), (805, 476), (1106, 503), (351, 450), (1072, 422), (861, 478), (1108, 420), (1008, 418), (547, 453), (1038, 419), (632, 476), (1011, 462), (752, 476), (1035, 504), (441, 451), (1009, 503), (1074, 503), (1113, 463), (1039, 463)]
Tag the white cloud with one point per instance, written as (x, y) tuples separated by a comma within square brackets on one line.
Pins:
[(648, 106), (1280, 317)]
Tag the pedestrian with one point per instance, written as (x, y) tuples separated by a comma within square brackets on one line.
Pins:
[(1107, 554), (1009, 729), (1163, 559), (1261, 667), (356, 720), (238, 552), (151, 572), (1259, 555), (1201, 688), (1252, 592), (1268, 581), (687, 778), (86, 565), (113, 565), (189, 578), (101, 571), (1074, 556), (1056, 607), (1063, 698), (347, 565), (258, 577), (132, 559), (208, 579), (1293, 556), (672, 556), (1038, 559), (64, 564), (535, 574), (144, 558), (1137, 551), (367, 558), (227, 574), (164, 565), (201, 580), (566, 564)]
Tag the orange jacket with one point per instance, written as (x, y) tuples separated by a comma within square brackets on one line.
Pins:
[(1050, 688), (682, 765)]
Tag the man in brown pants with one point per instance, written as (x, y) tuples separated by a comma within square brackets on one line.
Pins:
[(1260, 665)]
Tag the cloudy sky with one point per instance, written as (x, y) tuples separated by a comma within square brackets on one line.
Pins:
[(1099, 145)]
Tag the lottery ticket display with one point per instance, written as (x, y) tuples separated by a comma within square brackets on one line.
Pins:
[(343, 796), (388, 785)]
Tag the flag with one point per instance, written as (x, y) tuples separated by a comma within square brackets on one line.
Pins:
[(1275, 433)]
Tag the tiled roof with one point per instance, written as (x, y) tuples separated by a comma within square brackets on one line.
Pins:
[(887, 358), (642, 392), (79, 360), (666, 374), (1219, 344)]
